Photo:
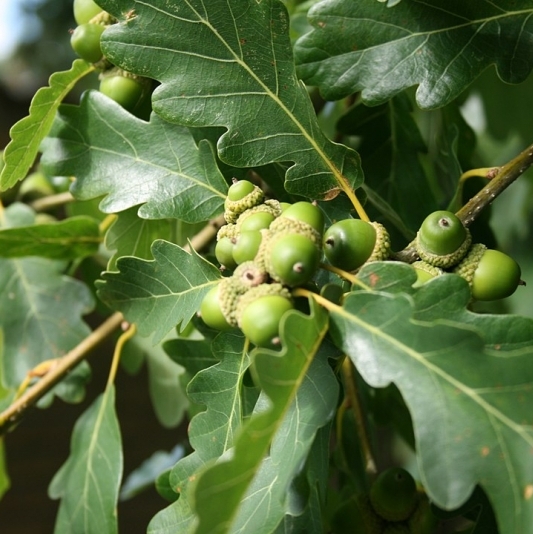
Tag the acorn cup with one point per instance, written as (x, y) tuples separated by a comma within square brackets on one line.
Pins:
[(242, 195)]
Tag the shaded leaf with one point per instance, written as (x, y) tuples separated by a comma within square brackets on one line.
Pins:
[(40, 308), (390, 149), (88, 482), (130, 235), (363, 46), (5, 483), (211, 432), (470, 406), (28, 133), (148, 472), (112, 153), (166, 392), (160, 294), (216, 69), (220, 489), (73, 238)]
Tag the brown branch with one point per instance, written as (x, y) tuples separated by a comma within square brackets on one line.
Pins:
[(51, 201), (503, 178), (13, 413)]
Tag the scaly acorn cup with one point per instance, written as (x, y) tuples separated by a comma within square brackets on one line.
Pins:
[(394, 495), (425, 272), (306, 212), (350, 243), (242, 195), (259, 217), (442, 239), (246, 276), (491, 274)]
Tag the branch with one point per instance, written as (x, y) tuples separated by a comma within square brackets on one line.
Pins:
[(15, 411), (505, 176)]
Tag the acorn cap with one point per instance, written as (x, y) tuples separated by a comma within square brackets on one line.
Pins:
[(382, 247), (233, 208), (445, 261), (467, 267)]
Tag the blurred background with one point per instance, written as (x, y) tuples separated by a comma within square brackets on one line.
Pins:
[(34, 43)]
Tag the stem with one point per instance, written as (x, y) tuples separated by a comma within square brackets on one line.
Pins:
[(352, 278), (355, 405), (205, 235), (124, 337), (503, 178), (15, 411), (51, 201)]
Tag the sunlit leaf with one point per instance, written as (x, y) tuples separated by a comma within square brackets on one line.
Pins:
[(73, 238), (215, 70), (364, 46), (157, 295), (220, 489), (112, 153), (470, 405), (28, 133)]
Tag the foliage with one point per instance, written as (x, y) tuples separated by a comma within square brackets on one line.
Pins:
[(308, 100)]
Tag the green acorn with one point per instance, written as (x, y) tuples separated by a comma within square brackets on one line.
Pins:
[(211, 310), (357, 515), (442, 239), (425, 272), (491, 274), (242, 195), (259, 217), (350, 243), (393, 494)]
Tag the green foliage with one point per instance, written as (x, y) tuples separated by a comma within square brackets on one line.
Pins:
[(363, 46), (387, 373), (88, 482)]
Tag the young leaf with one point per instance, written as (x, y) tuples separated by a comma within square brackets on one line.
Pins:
[(231, 65), (220, 489), (40, 308), (271, 496), (76, 237), (112, 153), (160, 294), (88, 482), (470, 407), (27, 134), (363, 46), (211, 432)]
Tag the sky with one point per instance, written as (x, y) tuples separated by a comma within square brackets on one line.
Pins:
[(13, 24)]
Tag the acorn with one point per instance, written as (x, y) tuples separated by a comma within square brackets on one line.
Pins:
[(442, 239), (393, 494), (491, 274), (242, 195), (350, 243), (425, 272)]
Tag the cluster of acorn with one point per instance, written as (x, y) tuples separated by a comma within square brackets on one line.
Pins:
[(272, 247), (129, 90), (393, 505), (444, 244)]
